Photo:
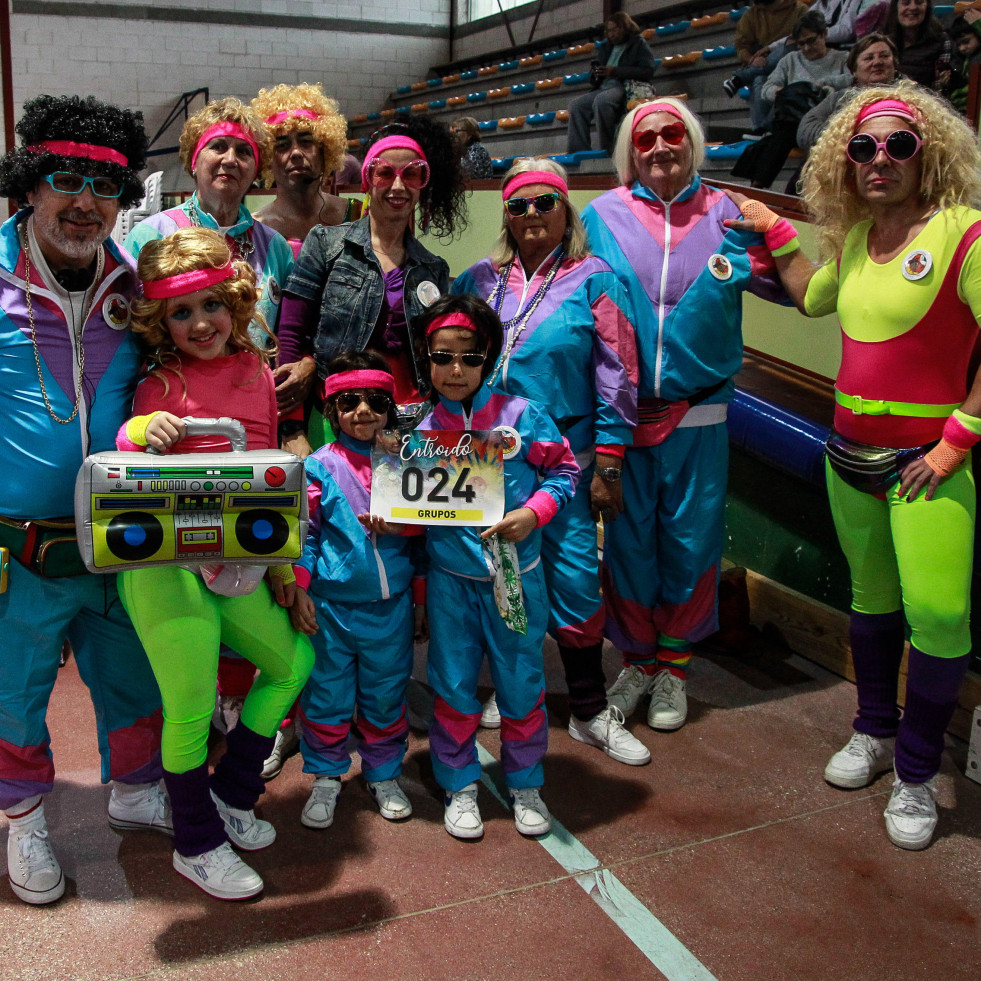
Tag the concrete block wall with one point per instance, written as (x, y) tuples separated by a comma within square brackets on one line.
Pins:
[(143, 56)]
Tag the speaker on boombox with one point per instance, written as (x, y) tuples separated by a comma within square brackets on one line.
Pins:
[(146, 509)]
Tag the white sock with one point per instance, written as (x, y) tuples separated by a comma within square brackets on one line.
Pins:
[(28, 811)]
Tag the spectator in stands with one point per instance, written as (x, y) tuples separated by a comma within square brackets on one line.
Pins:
[(965, 34), (475, 161), (350, 172), (761, 36), (840, 16), (624, 58), (309, 136), (873, 60), (362, 285), (924, 49), (570, 345), (796, 85)]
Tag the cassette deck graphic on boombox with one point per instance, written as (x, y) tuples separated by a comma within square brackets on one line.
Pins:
[(140, 509)]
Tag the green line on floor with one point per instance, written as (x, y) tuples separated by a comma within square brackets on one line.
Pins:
[(654, 940)]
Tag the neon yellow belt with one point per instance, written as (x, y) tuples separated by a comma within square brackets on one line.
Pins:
[(882, 407)]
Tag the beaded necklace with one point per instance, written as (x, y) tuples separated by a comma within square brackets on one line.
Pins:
[(514, 326), (242, 245)]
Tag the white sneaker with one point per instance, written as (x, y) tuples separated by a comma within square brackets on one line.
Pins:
[(606, 732), (286, 745), (911, 814), (490, 717), (460, 816), (391, 799), (630, 687), (243, 828), (669, 703), (861, 760), (140, 807), (318, 812), (35, 875), (228, 710), (531, 816), (220, 873)]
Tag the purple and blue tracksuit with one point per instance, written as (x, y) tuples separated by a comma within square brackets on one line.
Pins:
[(360, 585), (39, 458), (577, 356), (464, 621), (686, 274)]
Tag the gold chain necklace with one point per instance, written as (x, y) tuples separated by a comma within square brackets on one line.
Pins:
[(80, 355)]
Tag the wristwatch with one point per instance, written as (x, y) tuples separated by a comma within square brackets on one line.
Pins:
[(610, 474)]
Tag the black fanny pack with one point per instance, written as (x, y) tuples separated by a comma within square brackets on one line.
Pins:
[(47, 547), (870, 469)]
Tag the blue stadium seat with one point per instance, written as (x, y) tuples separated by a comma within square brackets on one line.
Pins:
[(723, 51), (727, 151), (501, 164), (434, 82), (373, 116), (404, 89), (540, 118), (507, 66), (523, 88), (488, 125), (745, 92), (678, 28), (467, 76), (437, 104), (576, 79), (734, 15), (477, 97), (554, 55)]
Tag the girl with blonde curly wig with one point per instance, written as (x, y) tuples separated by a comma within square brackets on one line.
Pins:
[(197, 307), (894, 185), (309, 137)]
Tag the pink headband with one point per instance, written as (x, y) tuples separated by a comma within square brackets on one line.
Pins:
[(224, 129), (886, 107), (281, 117), (189, 282), (388, 143), (534, 177), (650, 107), (451, 320), (364, 378), (68, 148)]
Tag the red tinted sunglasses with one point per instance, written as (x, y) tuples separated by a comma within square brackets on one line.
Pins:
[(673, 134), (415, 174)]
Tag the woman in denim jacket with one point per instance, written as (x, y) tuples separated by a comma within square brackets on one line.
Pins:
[(362, 285)]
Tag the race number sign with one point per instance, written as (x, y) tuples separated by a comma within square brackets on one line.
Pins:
[(431, 477)]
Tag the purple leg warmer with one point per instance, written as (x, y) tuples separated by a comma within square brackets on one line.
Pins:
[(932, 686), (237, 778), (585, 679), (198, 828), (877, 641)]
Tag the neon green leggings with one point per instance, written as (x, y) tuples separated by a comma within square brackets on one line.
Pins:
[(181, 624), (916, 553)]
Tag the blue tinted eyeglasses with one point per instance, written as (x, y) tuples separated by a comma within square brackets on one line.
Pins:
[(66, 183)]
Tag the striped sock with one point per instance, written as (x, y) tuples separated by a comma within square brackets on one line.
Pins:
[(673, 655)]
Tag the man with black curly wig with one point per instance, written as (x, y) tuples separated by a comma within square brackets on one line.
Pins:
[(68, 368)]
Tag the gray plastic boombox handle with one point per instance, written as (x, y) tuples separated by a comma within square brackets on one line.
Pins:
[(225, 426)]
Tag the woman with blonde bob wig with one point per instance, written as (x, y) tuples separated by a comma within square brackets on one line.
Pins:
[(568, 344), (661, 232), (894, 187)]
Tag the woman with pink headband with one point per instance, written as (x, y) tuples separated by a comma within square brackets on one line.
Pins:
[(568, 344), (222, 147), (662, 233), (364, 285), (894, 184)]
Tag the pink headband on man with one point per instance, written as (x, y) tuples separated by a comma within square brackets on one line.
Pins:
[(363, 378), (886, 107), (649, 107), (281, 117), (451, 320), (534, 177), (388, 143), (189, 282), (224, 129), (69, 148)]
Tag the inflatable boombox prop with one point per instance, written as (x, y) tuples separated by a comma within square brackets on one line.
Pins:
[(146, 509)]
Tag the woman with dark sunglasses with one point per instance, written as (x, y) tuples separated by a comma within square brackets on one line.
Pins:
[(893, 184), (362, 285), (662, 233), (568, 344)]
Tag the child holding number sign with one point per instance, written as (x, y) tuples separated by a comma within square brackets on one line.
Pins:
[(486, 588), (354, 598)]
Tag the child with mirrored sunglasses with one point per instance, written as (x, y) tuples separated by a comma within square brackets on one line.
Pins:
[(360, 597), (485, 586)]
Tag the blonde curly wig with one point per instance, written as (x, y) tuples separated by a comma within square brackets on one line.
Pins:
[(187, 250), (329, 128), (229, 110), (950, 162)]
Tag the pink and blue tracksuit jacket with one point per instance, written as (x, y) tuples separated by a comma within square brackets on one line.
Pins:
[(577, 356), (686, 274), (463, 618), (360, 584)]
